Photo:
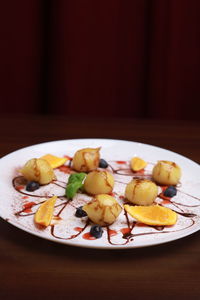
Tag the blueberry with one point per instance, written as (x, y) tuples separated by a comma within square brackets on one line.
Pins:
[(80, 212), (170, 191), (32, 186), (103, 163), (96, 231)]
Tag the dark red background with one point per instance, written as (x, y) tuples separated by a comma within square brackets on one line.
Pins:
[(137, 58)]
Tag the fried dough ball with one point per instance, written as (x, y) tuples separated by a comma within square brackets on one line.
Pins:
[(141, 191), (86, 160), (103, 209), (166, 173), (39, 170), (99, 182)]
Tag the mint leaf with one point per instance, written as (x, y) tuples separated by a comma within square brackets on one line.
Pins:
[(76, 177), (74, 184)]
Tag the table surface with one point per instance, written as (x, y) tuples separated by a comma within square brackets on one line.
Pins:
[(34, 267)]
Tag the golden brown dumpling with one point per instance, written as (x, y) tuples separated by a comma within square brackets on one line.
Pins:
[(166, 173), (103, 209), (86, 160), (141, 191), (37, 169), (99, 182)]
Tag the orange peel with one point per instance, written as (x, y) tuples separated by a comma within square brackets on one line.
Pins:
[(44, 213), (138, 164), (54, 161), (156, 215)]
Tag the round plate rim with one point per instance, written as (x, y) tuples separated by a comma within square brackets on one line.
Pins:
[(106, 247)]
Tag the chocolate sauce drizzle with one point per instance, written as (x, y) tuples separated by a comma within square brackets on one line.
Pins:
[(129, 235), (129, 172), (72, 236), (19, 180)]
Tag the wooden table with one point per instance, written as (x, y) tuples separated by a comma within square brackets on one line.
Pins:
[(34, 268)]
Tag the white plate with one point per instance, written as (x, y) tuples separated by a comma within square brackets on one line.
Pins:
[(188, 196)]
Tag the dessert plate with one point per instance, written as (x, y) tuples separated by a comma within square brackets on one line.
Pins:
[(17, 206)]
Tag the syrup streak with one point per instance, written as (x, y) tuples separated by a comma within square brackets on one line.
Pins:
[(178, 203), (109, 238), (128, 236), (14, 183), (148, 175), (167, 231), (128, 172), (73, 236), (186, 205), (56, 182), (181, 212), (196, 198), (22, 213)]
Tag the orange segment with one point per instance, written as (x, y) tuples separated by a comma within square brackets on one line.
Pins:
[(54, 161), (152, 215), (137, 164), (44, 213)]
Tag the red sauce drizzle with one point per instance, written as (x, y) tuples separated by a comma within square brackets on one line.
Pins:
[(141, 225), (112, 194), (166, 200), (112, 232), (140, 171), (27, 207), (125, 230), (19, 187), (68, 157), (65, 169), (88, 236), (57, 218), (79, 229)]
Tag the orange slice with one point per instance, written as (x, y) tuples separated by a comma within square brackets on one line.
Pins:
[(54, 161), (152, 215), (44, 213), (137, 164)]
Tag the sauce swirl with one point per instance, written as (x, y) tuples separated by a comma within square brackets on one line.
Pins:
[(127, 232)]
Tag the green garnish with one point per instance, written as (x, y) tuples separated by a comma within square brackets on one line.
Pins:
[(75, 183), (76, 177)]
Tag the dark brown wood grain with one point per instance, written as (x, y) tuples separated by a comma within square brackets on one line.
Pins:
[(33, 268)]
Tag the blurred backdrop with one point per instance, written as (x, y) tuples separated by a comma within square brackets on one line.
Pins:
[(132, 58)]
